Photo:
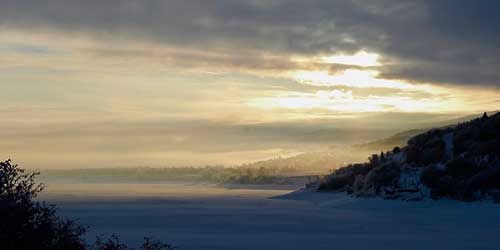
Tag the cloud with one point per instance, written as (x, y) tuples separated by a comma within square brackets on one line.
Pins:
[(424, 41), (152, 81), (236, 51)]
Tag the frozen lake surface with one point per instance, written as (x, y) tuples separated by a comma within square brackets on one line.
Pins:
[(209, 217)]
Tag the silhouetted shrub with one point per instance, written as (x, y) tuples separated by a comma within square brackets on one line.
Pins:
[(426, 148), (396, 150), (431, 176), (461, 168), (412, 153), (433, 151), (488, 178), (385, 175), (150, 244), (112, 243), (336, 183), (26, 224), (344, 177), (444, 187), (374, 159), (488, 147)]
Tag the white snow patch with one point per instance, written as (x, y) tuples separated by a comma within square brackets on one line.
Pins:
[(209, 218), (440, 166), (399, 157), (410, 179), (448, 140)]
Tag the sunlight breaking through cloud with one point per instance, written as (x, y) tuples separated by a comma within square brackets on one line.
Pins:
[(349, 78), (345, 101), (361, 58)]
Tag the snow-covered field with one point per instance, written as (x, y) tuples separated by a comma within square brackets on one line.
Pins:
[(210, 217)]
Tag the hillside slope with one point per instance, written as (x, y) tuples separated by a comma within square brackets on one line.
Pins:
[(401, 138), (395, 140), (461, 162)]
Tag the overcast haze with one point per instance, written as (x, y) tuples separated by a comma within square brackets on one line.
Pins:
[(125, 82)]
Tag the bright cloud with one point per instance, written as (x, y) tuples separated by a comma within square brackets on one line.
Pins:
[(361, 58), (170, 63), (349, 77), (345, 102)]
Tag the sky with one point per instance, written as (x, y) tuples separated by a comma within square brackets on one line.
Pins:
[(150, 82)]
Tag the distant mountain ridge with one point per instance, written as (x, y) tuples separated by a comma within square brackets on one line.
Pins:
[(401, 138), (460, 161), (279, 170), (395, 140)]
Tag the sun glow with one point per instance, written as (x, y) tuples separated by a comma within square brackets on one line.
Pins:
[(362, 59), (344, 101), (358, 88), (348, 78)]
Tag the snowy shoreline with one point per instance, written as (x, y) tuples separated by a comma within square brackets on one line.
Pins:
[(210, 217)]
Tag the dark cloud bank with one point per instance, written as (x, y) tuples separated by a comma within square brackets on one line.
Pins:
[(445, 41)]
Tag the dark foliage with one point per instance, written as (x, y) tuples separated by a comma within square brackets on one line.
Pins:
[(426, 148), (114, 243), (384, 175), (461, 167), (26, 224), (461, 162), (396, 150), (344, 178), (150, 244), (431, 176), (478, 137)]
